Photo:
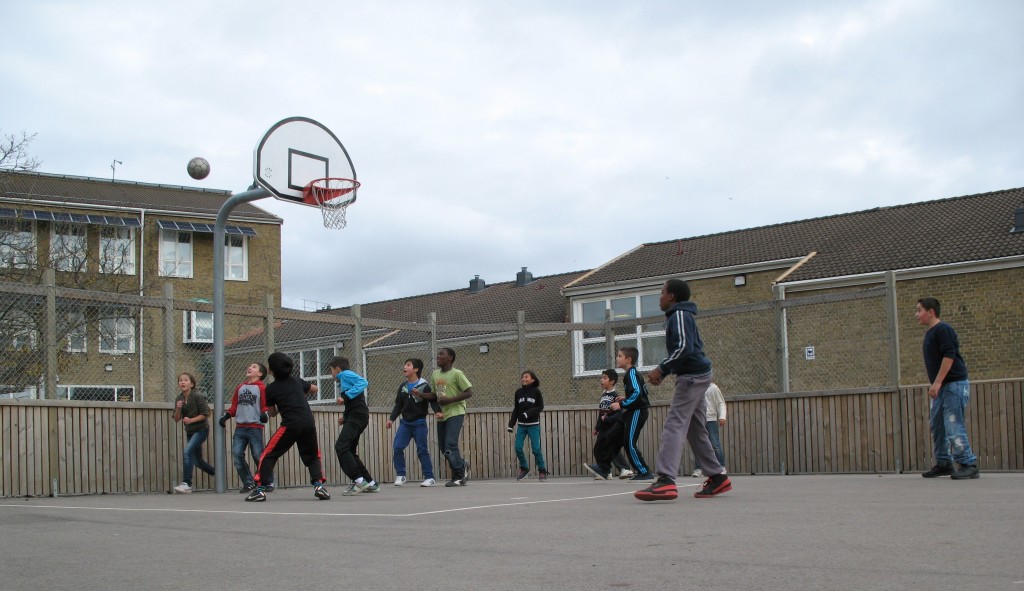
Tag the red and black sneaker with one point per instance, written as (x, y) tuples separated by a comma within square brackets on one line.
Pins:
[(715, 485), (663, 489)]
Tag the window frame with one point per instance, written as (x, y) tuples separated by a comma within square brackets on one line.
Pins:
[(126, 265), (166, 251), (74, 258), (64, 392), (244, 264), (10, 251), (117, 317), (190, 322), (623, 337), (325, 395), (76, 328)]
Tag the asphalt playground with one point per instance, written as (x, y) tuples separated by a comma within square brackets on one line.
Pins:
[(770, 533)]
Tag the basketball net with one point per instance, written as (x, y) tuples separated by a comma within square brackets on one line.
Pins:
[(332, 196)]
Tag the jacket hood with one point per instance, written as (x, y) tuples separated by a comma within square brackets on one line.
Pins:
[(685, 306)]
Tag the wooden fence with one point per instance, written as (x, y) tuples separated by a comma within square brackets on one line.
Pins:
[(102, 447)]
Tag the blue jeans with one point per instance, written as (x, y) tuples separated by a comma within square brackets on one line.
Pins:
[(714, 434), (408, 430), (243, 437), (448, 432), (949, 436), (533, 432), (194, 455)]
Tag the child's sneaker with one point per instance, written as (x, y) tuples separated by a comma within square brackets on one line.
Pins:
[(641, 477), (256, 496), (698, 473), (523, 472), (271, 487), (663, 489), (542, 475), (715, 485), (627, 473), (452, 483), (399, 480), (351, 490), (597, 471), (428, 482), (320, 492), (373, 487), (247, 488), (183, 488)]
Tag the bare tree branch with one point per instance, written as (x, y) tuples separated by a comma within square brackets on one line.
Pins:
[(15, 154)]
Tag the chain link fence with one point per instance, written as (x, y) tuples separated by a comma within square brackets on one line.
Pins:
[(62, 343)]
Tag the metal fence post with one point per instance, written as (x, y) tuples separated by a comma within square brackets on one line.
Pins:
[(170, 371), (357, 340), (894, 362), (780, 319), (432, 323), (521, 337), (50, 280)]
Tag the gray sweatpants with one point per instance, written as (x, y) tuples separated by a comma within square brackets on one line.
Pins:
[(685, 423)]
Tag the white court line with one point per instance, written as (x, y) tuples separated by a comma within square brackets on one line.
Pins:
[(315, 514)]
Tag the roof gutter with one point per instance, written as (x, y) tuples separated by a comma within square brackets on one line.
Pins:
[(169, 212)]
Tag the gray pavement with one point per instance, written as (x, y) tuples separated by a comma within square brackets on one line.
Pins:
[(770, 532)]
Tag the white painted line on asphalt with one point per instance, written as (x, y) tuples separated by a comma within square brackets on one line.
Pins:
[(311, 513)]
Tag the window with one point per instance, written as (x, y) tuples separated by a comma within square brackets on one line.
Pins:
[(198, 327), (18, 331), (17, 244), (117, 250), (97, 393), (68, 248), (18, 392), (312, 367), (236, 258), (649, 338), (117, 333), (74, 327), (175, 253)]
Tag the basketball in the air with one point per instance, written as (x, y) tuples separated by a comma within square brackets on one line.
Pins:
[(198, 168)]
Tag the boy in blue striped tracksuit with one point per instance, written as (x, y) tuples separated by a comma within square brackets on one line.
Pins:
[(687, 414), (624, 434)]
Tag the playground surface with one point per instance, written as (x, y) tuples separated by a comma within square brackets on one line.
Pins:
[(771, 533)]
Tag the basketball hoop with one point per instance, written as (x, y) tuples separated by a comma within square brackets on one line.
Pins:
[(332, 196)]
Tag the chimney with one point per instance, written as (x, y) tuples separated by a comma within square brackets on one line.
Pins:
[(1018, 221), (523, 277), (476, 284)]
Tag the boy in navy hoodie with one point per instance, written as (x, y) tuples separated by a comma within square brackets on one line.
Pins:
[(686, 416)]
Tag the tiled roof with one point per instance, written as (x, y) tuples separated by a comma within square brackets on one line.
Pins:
[(72, 190), (959, 229), (541, 300)]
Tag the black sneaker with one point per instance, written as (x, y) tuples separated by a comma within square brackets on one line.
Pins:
[(663, 489), (715, 485), (247, 488), (641, 477), (939, 470), (256, 496), (597, 471), (452, 483), (542, 475), (968, 472), (320, 492), (523, 473)]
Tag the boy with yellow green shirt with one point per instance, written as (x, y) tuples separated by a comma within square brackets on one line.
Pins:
[(450, 388)]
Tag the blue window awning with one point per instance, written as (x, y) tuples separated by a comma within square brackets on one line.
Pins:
[(205, 228), (71, 218)]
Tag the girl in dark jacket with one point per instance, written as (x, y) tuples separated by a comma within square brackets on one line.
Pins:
[(529, 402)]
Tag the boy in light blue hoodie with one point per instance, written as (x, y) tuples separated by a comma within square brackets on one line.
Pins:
[(353, 421)]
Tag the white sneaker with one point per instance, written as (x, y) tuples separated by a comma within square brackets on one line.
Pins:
[(627, 473), (183, 488), (399, 480), (428, 482), (698, 473)]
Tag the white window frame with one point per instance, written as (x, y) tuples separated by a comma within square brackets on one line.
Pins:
[(192, 323), (18, 244), (69, 246), (67, 391), (637, 335), (122, 328), (322, 378), (170, 255), (241, 267), (77, 332), (117, 253), (19, 392)]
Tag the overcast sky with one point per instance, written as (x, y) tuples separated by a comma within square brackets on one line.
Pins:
[(553, 135)]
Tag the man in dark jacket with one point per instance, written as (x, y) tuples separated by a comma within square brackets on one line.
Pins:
[(686, 415)]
